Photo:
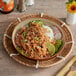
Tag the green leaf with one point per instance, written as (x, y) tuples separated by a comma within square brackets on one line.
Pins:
[(24, 34), (70, 0), (58, 45), (39, 22), (5, 2), (22, 52), (67, 2)]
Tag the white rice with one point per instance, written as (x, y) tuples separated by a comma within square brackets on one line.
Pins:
[(50, 33)]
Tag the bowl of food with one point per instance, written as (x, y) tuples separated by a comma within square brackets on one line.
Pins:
[(38, 39)]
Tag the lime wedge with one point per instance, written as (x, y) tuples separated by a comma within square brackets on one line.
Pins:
[(51, 48)]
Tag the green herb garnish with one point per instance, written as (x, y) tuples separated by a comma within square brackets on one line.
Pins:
[(19, 50), (37, 22), (70, 1), (24, 34), (36, 38), (25, 40)]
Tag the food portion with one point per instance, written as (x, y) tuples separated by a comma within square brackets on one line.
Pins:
[(37, 40)]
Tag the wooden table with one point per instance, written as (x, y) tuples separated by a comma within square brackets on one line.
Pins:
[(8, 66)]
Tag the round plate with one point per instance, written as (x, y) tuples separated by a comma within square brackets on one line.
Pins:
[(57, 30), (28, 62)]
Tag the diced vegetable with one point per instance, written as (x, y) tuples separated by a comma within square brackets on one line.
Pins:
[(58, 45), (20, 50), (25, 40), (51, 48), (24, 34)]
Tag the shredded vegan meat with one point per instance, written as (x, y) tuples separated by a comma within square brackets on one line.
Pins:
[(33, 40)]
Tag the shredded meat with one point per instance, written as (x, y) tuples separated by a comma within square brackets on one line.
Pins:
[(34, 46)]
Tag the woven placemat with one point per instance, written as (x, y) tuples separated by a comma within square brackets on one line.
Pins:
[(32, 63)]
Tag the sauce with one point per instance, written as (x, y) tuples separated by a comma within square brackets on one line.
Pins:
[(6, 6)]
